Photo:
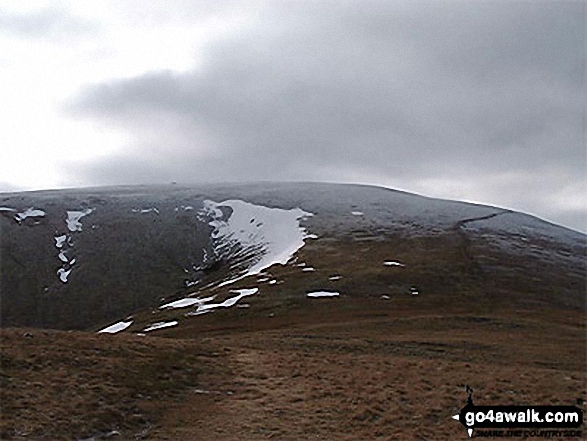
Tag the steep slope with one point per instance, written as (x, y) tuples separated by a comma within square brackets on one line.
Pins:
[(75, 258), (72, 259)]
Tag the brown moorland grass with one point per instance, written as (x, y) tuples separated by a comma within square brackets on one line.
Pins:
[(291, 368), (399, 375)]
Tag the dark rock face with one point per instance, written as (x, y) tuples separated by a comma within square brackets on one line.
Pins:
[(133, 246)]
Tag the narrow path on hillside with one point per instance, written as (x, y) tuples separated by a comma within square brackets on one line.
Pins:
[(465, 241)]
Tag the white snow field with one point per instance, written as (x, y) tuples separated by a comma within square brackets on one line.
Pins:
[(160, 325), (74, 218), (29, 212), (63, 274), (271, 235), (185, 302), (116, 327), (317, 294), (230, 301), (60, 240)]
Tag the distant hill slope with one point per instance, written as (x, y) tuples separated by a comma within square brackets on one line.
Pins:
[(75, 259)]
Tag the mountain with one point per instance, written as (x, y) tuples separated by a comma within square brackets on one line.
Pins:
[(287, 310), (72, 259)]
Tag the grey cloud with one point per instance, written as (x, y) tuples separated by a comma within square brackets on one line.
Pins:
[(405, 91), (50, 22)]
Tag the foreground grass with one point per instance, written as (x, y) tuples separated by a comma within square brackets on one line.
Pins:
[(60, 385)]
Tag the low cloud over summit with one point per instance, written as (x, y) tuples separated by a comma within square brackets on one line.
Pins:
[(479, 101)]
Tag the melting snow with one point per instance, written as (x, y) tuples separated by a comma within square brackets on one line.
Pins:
[(29, 212), (204, 311), (74, 217), (160, 325), (275, 234), (145, 210), (60, 240), (188, 301), (230, 301), (63, 274), (316, 294), (116, 327), (392, 263), (64, 242)]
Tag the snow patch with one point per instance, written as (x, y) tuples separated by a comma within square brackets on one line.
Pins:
[(393, 263), (333, 278), (265, 236), (204, 311), (7, 209), (309, 269), (145, 210), (63, 274), (160, 325), (188, 301), (357, 213), (60, 240), (74, 218), (230, 301), (116, 327), (316, 294), (29, 212)]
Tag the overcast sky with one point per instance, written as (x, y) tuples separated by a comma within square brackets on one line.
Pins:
[(477, 101)]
